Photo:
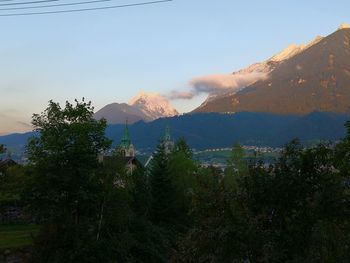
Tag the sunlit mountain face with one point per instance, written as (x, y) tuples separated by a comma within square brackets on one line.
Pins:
[(299, 80), (144, 106)]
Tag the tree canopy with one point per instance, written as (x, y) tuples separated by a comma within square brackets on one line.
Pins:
[(2, 149), (293, 209)]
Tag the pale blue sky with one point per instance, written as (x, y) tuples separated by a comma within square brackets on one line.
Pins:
[(108, 56)]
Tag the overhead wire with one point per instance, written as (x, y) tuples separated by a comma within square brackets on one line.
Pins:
[(30, 2), (54, 5), (10, 1), (84, 9)]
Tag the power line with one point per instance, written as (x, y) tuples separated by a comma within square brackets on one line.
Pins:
[(54, 5), (20, 2), (31, 2), (86, 9)]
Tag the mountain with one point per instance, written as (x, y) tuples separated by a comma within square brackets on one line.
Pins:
[(120, 112), (153, 105), (299, 80), (214, 130), (145, 106), (258, 70)]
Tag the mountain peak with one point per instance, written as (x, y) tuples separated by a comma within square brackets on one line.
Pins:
[(288, 52), (294, 49), (153, 105), (144, 106), (144, 95), (343, 26)]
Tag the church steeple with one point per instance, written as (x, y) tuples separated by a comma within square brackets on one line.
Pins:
[(125, 146), (126, 141), (167, 136), (167, 141)]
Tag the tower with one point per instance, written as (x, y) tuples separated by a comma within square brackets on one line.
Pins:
[(126, 148), (167, 141)]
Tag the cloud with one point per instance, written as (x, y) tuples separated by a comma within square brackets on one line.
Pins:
[(214, 83), (24, 124), (10, 124), (185, 95), (218, 83)]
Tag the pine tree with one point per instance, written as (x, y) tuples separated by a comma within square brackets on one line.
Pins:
[(162, 192), (183, 171)]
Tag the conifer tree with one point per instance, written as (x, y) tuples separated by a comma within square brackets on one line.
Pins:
[(183, 174), (162, 192)]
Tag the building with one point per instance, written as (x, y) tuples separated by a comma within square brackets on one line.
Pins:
[(167, 141), (126, 152), (126, 148)]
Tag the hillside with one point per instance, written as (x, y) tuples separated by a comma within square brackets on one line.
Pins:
[(316, 78), (214, 130), (120, 112)]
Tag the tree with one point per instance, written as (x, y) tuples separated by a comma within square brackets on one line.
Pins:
[(216, 232), (2, 149), (183, 177), (64, 192), (236, 165), (297, 208), (342, 155), (162, 203), (162, 191), (294, 210)]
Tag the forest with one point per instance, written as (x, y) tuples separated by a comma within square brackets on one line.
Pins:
[(295, 209)]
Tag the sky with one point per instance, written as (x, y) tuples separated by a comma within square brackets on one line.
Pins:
[(110, 55)]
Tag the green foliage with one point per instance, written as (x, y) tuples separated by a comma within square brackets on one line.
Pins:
[(162, 191), (236, 168), (2, 149), (236, 165), (12, 182), (295, 209), (64, 190), (183, 177)]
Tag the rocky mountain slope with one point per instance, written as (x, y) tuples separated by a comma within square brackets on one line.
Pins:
[(144, 106), (153, 105), (300, 80), (120, 112)]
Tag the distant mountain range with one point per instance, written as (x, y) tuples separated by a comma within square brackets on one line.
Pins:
[(299, 80), (144, 106), (213, 130), (302, 92)]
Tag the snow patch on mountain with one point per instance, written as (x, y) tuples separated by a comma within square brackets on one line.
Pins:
[(343, 26), (153, 105), (247, 76)]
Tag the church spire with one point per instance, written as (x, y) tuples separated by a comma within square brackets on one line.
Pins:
[(167, 136), (125, 145), (167, 141), (126, 141)]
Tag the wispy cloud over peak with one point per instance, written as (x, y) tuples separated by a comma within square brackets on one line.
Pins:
[(184, 95), (218, 83)]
